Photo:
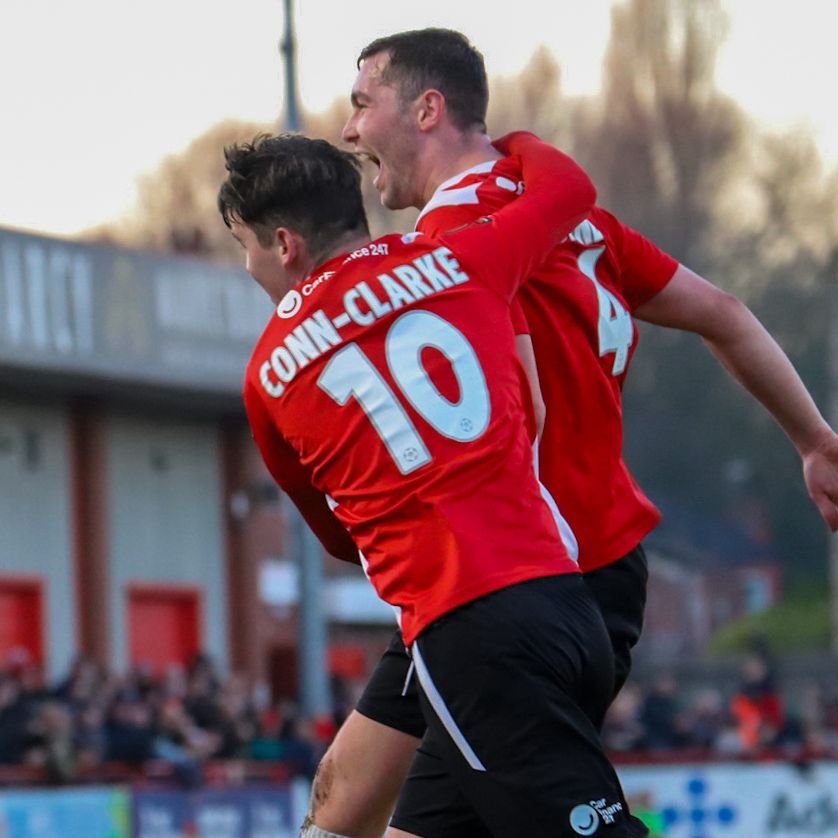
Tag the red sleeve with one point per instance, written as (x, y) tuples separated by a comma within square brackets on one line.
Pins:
[(519, 321), (473, 196), (294, 479), (278, 455), (506, 247), (645, 269), (446, 218)]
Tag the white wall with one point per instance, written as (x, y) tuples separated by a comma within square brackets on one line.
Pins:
[(35, 518), (164, 499)]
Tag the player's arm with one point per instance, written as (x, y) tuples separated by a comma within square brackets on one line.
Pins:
[(749, 353), (293, 478), (448, 216), (512, 242), (526, 355)]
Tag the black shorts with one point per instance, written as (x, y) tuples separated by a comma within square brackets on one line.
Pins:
[(509, 684), (619, 589), (620, 592), (391, 696)]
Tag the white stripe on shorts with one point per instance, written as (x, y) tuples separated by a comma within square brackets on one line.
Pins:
[(444, 714)]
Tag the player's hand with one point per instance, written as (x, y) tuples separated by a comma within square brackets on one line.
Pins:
[(820, 472)]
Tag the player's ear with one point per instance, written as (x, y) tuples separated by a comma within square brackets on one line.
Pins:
[(430, 109), (287, 244)]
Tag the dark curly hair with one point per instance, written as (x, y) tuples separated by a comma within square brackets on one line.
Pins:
[(293, 181)]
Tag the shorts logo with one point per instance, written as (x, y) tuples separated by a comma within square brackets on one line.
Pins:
[(584, 819), (289, 305)]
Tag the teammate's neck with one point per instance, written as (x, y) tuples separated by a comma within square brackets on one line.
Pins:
[(468, 150)]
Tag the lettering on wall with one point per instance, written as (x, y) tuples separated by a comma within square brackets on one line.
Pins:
[(45, 297)]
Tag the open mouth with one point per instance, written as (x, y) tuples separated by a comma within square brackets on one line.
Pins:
[(366, 155), (369, 157)]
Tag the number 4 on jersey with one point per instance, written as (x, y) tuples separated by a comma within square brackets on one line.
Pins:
[(616, 330)]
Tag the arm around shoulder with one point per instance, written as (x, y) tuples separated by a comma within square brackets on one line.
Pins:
[(509, 245), (545, 169)]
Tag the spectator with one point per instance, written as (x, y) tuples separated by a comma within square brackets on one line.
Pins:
[(182, 743), (90, 738), (298, 743), (705, 718), (14, 720), (83, 685), (201, 701), (179, 738), (265, 744), (237, 723), (20, 699), (757, 705), (51, 743), (130, 730), (659, 715), (623, 730)]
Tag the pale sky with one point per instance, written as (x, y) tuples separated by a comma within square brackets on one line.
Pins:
[(94, 93)]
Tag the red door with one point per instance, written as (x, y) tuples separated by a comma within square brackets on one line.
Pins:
[(21, 618), (164, 625), (348, 660)]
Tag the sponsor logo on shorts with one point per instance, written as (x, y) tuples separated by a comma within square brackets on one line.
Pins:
[(586, 818)]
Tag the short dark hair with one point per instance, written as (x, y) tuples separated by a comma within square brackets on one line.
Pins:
[(441, 59), (293, 181)]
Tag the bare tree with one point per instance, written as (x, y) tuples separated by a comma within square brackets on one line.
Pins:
[(661, 141), (795, 222), (531, 100), (176, 208)]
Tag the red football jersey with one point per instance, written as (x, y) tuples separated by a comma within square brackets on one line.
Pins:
[(578, 308), (388, 381)]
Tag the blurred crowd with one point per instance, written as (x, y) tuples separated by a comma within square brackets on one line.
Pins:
[(191, 716), (751, 717), (185, 718)]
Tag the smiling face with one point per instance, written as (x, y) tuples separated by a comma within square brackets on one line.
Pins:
[(385, 129)]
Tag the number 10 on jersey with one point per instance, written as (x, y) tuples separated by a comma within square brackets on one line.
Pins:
[(350, 374)]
